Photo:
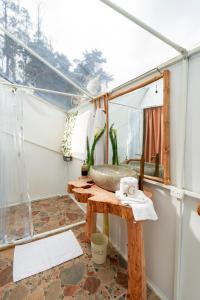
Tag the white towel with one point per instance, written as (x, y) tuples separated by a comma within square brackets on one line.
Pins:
[(129, 185), (141, 205), (82, 129), (99, 122)]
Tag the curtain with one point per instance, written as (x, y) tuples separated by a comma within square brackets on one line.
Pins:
[(153, 133), (15, 210)]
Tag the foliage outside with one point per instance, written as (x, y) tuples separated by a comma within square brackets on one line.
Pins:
[(113, 139), (19, 66), (90, 151)]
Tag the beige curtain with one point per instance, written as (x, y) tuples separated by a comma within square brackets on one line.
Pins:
[(153, 133)]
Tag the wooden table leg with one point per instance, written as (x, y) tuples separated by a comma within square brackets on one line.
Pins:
[(106, 224), (136, 262), (90, 222)]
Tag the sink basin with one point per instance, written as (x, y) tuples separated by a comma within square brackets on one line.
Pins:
[(108, 176)]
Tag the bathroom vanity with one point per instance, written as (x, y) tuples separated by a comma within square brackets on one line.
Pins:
[(101, 201)]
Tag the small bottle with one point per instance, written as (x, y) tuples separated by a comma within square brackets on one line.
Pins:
[(84, 169)]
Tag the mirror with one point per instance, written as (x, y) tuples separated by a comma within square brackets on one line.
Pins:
[(141, 118)]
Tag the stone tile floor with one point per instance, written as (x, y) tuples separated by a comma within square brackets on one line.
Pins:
[(47, 214), (77, 279), (56, 212)]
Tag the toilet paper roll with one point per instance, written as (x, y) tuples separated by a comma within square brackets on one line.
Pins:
[(128, 185)]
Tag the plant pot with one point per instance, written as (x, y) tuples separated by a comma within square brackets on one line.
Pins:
[(67, 158)]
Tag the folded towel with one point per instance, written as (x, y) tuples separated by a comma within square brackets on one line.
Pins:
[(128, 185), (141, 205)]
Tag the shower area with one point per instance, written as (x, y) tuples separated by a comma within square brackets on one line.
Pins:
[(15, 220), (33, 175)]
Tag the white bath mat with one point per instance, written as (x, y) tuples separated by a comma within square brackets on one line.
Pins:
[(41, 255)]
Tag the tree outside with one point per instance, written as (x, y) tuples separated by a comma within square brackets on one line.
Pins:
[(19, 66)]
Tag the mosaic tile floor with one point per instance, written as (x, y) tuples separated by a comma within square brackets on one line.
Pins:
[(47, 214), (77, 279), (56, 212)]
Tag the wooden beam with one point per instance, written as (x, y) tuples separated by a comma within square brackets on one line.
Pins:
[(166, 128), (136, 87), (107, 126)]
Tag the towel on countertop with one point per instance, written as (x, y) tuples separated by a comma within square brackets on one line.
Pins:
[(141, 205)]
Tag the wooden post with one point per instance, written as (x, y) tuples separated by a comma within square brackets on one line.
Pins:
[(105, 215), (136, 262), (107, 126), (99, 102), (142, 161), (198, 209), (166, 142), (157, 165)]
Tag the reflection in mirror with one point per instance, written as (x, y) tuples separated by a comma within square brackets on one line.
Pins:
[(138, 119), (153, 142)]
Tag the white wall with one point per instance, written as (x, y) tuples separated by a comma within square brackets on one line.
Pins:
[(190, 284), (43, 132), (161, 237), (192, 161)]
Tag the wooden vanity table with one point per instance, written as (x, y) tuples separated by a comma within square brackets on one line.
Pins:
[(101, 201)]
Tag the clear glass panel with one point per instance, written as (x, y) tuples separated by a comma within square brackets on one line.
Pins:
[(19, 66), (94, 45), (15, 212), (178, 20)]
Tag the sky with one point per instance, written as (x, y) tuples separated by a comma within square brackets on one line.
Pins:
[(74, 26)]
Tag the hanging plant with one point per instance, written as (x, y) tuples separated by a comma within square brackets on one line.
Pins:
[(113, 139), (67, 138), (90, 152)]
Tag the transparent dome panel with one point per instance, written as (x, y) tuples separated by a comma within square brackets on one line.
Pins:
[(178, 20), (19, 66), (96, 47)]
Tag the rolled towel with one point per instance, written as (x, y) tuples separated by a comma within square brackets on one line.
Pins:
[(128, 186)]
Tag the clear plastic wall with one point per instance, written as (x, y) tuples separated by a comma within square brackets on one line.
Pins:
[(15, 214)]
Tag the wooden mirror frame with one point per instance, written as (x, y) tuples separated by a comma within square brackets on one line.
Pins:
[(165, 75)]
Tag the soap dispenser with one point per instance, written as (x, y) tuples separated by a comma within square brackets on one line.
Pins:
[(84, 169)]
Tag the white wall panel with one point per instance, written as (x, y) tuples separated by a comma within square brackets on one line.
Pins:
[(190, 285), (43, 132), (46, 172), (192, 158), (43, 123)]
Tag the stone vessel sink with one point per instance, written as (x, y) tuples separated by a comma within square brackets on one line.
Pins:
[(108, 176)]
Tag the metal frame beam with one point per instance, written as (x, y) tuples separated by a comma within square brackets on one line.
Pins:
[(143, 25), (59, 73), (25, 87)]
